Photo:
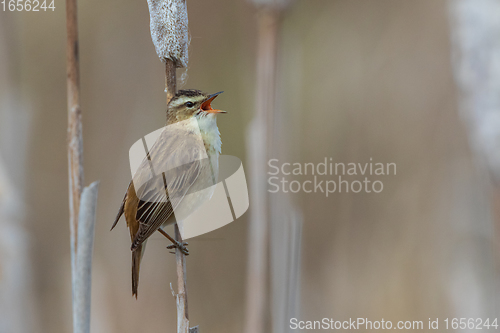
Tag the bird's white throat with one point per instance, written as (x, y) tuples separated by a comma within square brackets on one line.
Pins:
[(211, 138), (210, 133)]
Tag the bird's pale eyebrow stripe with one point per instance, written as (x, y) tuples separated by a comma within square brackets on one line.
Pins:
[(178, 102)]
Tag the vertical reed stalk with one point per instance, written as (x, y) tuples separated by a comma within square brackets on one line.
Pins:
[(275, 224), (75, 141), (181, 296), (257, 292), (83, 274), (170, 79), (82, 208), (180, 258), (474, 34)]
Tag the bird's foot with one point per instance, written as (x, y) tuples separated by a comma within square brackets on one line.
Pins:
[(180, 246)]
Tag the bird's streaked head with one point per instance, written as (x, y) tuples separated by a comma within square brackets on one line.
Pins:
[(191, 103)]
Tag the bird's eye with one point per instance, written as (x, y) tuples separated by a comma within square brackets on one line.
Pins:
[(189, 104)]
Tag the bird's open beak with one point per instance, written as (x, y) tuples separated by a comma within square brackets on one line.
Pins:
[(207, 107)]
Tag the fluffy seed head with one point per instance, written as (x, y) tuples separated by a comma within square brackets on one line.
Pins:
[(169, 30)]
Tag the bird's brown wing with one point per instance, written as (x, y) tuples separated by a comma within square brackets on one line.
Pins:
[(156, 203)]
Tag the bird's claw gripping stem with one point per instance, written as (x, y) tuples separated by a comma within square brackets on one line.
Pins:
[(180, 246), (175, 244)]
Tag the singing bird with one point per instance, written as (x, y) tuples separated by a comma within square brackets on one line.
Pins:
[(193, 142)]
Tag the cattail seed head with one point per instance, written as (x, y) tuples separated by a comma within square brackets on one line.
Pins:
[(169, 30)]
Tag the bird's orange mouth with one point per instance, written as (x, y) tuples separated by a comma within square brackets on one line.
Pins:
[(207, 107)]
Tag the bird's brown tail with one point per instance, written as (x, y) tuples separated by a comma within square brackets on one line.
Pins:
[(136, 266)]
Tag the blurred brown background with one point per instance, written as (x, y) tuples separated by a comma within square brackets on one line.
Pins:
[(358, 79)]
